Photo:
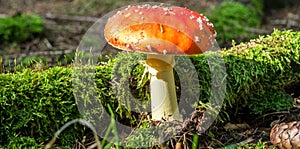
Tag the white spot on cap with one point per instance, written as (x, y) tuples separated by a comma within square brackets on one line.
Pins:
[(141, 13), (136, 10), (210, 24), (200, 23), (142, 18), (155, 6), (215, 34), (166, 8), (147, 5), (149, 47), (128, 6), (197, 39), (169, 13), (212, 40), (165, 52), (192, 17), (127, 15), (205, 19)]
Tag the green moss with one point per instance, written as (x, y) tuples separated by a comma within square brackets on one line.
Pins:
[(258, 145), (20, 28), (260, 69), (232, 19), (35, 103), (257, 73), (258, 6), (23, 142)]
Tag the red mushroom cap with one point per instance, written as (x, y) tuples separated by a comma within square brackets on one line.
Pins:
[(160, 30)]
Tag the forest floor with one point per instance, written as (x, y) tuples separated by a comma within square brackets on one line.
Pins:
[(66, 21)]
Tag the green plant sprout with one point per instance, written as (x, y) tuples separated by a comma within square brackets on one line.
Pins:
[(98, 144)]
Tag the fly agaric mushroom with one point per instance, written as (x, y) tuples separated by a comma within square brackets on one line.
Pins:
[(161, 32)]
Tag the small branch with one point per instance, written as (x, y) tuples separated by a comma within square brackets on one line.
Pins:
[(51, 16), (286, 22), (48, 44), (70, 18), (273, 113), (38, 53), (258, 31)]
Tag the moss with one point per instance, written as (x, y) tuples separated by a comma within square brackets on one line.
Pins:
[(36, 103), (23, 142), (20, 28), (258, 145), (264, 65), (232, 19), (258, 7), (259, 70)]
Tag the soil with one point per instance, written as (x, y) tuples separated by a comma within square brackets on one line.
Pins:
[(66, 21)]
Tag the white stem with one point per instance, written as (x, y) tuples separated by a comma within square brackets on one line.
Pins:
[(162, 87)]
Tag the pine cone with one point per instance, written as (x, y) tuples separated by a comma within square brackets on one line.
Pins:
[(286, 135)]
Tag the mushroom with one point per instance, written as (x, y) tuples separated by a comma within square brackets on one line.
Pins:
[(161, 32)]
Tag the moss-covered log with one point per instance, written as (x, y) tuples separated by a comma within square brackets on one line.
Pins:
[(259, 71), (35, 103)]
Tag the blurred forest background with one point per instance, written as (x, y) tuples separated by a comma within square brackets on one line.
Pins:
[(57, 30)]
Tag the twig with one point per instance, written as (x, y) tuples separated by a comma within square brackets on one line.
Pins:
[(48, 44), (273, 113), (39, 53), (51, 16), (286, 22), (70, 18), (184, 141), (258, 31)]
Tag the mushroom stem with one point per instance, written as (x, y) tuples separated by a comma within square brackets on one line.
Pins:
[(162, 87)]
